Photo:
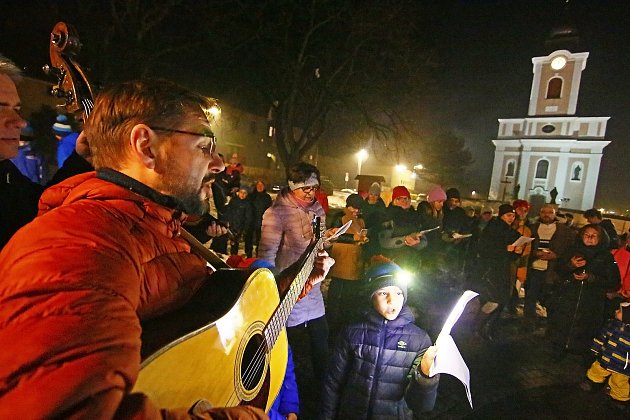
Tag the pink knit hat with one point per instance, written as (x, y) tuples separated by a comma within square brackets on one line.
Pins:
[(436, 194)]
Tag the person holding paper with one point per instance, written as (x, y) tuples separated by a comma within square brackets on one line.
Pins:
[(552, 241), (587, 271), (399, 236), (496, 250), (380, 367)]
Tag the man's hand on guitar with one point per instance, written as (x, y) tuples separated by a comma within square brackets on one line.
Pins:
[(321, 266)]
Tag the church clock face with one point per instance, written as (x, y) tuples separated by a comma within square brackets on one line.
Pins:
[(558, 63)]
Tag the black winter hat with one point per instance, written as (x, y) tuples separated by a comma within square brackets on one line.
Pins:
[(355, 200), (505, 208), (452, 193)]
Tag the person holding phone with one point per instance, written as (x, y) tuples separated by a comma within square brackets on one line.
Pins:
[(346, 273), (587, 272)]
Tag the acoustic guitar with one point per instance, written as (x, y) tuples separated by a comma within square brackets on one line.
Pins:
[(228, 345)]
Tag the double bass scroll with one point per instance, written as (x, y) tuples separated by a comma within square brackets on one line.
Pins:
[(72, 83)]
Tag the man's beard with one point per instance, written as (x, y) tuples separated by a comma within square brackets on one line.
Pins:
[(188, 195)]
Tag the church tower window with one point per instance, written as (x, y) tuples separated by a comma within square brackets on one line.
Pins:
[(542, 168), (554, 88)]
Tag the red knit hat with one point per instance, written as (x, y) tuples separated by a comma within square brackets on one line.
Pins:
[(400, 191), (520, 203)]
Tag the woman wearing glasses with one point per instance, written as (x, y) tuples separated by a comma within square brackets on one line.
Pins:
[(577, 309), (286, 233)]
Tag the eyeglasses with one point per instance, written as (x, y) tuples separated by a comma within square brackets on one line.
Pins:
[(593, 236), (209, 134), (307, 190)]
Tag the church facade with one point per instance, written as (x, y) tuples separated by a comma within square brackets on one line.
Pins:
[(551, 155)]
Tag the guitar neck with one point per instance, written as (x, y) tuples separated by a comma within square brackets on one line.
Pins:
[(281, 315)]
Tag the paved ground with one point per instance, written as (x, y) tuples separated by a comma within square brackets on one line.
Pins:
[(513, 377)]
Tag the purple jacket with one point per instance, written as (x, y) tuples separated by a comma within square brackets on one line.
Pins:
[(286, 233)]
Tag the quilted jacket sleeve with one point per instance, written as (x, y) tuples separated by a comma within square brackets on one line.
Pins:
[(421, 392), (335, 379)]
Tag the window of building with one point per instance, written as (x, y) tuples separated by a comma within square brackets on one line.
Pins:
[(509, 170), (542, 168), (554, 88)]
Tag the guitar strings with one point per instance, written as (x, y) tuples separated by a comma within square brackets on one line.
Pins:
[(259, 356)]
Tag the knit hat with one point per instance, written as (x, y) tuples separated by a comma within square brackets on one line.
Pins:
[(452, 193), (375, 189), (382, 275), (505, 208), (400, 191), (486, 209), (436, 194), (520, 203), (61, 127), (354, 200)]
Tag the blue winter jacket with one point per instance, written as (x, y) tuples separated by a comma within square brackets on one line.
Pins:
[(287, 400), (370, 371)]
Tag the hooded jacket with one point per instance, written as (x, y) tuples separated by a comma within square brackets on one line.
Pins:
[(286, 233), (369, 373), (74, 285)]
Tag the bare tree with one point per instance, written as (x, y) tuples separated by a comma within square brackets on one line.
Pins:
[(319, 64)]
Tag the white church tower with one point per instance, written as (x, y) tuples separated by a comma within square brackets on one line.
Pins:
[(551, 153)]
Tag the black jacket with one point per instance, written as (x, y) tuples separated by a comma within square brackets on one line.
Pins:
[(370, 376), (19, 195), (578, 306)]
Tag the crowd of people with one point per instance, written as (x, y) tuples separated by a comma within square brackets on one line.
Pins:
[(90, 255)]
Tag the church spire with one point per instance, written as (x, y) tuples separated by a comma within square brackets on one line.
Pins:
[(564, 34)]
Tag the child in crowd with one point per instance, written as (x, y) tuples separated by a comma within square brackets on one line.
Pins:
[(379, 368), (613, 363)]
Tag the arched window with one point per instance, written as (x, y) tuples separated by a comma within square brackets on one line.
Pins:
[(542, 168), (509, 171), (554, 88)]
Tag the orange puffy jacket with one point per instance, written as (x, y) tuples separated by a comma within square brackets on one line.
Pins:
[(74, 285)]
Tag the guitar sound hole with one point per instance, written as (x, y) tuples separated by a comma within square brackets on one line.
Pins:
[(253, 362)]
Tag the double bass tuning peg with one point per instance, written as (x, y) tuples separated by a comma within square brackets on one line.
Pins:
[(52, 71)]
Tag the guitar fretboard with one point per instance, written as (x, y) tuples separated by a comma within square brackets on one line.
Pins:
[(281, 315)]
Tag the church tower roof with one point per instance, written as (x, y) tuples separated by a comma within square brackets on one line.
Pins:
[(564, 34)]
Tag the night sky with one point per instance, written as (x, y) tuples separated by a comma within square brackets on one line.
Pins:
[(484, 72), (487, 48)]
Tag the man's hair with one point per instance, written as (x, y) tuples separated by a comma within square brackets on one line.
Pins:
[(9, 68), (119, 108), (593, 213), (300, 172), (549, 206)]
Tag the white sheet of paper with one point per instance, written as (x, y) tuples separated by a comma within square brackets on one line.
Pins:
[(340, 231), (448, 359), (461, 236), (422, 232), (522, 241)]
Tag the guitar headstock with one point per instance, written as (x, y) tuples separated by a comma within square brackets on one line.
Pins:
[(72, 84)]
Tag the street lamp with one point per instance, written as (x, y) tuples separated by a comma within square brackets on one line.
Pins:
[(362, 155)]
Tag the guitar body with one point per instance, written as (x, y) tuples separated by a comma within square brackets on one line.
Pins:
[(225, 361)]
